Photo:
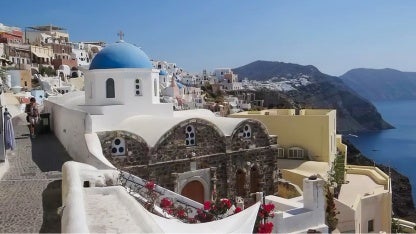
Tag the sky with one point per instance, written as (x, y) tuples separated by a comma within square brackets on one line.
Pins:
[(334, 36)]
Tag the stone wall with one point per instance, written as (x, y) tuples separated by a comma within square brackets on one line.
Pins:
[(255, 155), (136, 149), (209, 140), (258, 138)]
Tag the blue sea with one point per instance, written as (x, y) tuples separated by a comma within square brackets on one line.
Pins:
[(394, 147)]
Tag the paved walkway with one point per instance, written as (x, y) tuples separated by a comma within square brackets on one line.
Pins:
[(30, 191)]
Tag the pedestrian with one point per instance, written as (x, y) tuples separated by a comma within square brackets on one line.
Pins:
[(32, 117)]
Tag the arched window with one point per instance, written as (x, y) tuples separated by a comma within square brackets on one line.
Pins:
[(254, 179), (110, 89), (296, 152), (190, 135), (247, 131), (118, 147), (240, 181)]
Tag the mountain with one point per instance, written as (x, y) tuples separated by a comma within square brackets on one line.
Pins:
[(382, 84), (307, 87)]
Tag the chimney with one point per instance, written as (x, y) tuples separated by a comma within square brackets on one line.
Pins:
[(313, 193)]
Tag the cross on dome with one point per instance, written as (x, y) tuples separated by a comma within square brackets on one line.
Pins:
[(121, 35)]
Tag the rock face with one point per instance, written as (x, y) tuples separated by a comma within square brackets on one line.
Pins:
[(403, 205), (381, 84), (314, 89)]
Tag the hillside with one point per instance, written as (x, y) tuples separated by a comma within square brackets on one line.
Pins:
[(307, 87), (382, 84)]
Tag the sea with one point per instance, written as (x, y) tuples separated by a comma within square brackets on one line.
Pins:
[(394, 147)]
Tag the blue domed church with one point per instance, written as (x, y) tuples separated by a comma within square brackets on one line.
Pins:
[(118, 121)]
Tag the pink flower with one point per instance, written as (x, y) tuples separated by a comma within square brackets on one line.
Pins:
[(268, 207), (265, 227), (207, 205), (226, 202), (181, 214), (237, 210), (150, 185), (165, 203)]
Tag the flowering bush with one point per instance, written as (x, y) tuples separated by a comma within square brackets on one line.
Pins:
[(218, 210), (265, 212), (266, 227), (150, 195), (212, 210)]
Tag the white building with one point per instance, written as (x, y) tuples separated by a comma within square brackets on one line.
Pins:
[(227, 79), (301, 214), (80, 54), (46, 34), (121, 104)]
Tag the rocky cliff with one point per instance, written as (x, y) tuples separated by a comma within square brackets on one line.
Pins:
[(382, 84), (307, 87)]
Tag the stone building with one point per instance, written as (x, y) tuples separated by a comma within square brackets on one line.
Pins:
[(232, 163), (191, 152)]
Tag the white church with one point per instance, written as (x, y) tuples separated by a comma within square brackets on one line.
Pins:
[(119, 122)]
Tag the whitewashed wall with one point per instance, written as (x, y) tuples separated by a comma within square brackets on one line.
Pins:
[(345, 217), (69, 126)]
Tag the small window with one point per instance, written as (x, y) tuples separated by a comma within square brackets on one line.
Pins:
[(280, 153), (190, 135), (110, 89), (296, 152), (247, 131), (138, 87), (371, 225), (118, 147)]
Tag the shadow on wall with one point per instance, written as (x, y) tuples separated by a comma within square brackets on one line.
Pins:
[(48, 153), (51, 201)]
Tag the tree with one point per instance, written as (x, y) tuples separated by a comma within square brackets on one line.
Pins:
[(330, 211), (337, 173), (49, 71)]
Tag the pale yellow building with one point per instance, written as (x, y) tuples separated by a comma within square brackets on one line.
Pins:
[(309, 145), (308, 134)]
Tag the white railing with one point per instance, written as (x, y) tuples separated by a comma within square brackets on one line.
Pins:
[(405, 225)]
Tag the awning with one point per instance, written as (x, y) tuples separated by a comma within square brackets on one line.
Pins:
[(40, 54)]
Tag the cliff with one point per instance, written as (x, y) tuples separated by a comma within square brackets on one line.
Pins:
[(307, 87), (381, 84)]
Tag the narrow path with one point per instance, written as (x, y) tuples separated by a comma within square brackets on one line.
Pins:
[(30, 191)]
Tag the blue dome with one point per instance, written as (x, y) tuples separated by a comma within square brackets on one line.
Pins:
[(163, 73), (120, 55)]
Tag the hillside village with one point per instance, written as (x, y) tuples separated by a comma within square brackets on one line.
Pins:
[(131, 123)]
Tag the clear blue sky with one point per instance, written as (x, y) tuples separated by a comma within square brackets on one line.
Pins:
[(332, 35)]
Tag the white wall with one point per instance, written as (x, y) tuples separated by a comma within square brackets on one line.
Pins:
[(69, 126), (124, 80), (310, 216), (346, 222), (372, 207)]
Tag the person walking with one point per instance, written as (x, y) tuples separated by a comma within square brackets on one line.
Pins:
[(32, 117)]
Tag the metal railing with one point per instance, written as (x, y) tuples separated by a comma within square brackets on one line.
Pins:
[(136, 187)]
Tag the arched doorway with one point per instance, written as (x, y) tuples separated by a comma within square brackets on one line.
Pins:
[(194, 190), (240, 181), (254, 179)]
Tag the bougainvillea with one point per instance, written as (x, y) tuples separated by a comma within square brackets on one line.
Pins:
[(212, 210), (265, 212)]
